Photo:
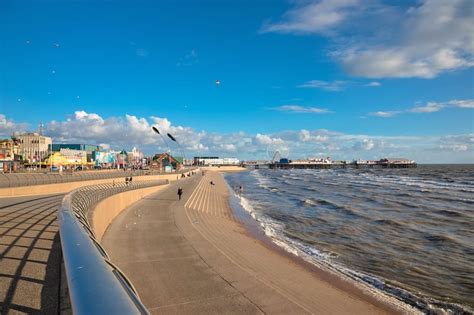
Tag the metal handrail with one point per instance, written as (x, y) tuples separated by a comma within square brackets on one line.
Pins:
[(95, 285)]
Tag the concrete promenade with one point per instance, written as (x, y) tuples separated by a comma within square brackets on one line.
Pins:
[(30, 255), (30, 250), (193, 256)]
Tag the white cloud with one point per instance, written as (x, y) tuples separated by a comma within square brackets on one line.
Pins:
[(301, 109), (385, 114), (317, 17), (308, 136), (365, 144), (429, 107), (374, 40), (462, 103), (229, 147), (267, 140), (434, 37), (9, 126), (454, 147), (373, 84), (333, 86), (132, 131)]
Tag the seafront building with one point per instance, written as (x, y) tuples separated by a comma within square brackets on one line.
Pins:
[(166, 162), (34, 147), (214, 160), (9, 150)]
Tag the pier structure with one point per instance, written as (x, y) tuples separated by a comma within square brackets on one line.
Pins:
[(329, 164)]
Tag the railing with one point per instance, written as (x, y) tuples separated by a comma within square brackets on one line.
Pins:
[(29, 179), (95, 284)]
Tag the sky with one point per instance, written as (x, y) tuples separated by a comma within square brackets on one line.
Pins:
[(347, 79)]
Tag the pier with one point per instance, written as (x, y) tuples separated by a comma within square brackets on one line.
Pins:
[(328, 164)]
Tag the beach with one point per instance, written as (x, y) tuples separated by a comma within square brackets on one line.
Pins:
[(198, 255)]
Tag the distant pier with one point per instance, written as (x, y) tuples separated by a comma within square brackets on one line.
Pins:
[(328, 164), (336, 165)]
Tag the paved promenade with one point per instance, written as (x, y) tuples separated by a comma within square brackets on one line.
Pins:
[(193, 256), (30, 255)]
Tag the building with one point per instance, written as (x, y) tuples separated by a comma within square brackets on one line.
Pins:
[(33, 146), (166, 162), (105, 159), (214, 160), (90, 149), (9, 150), (135, 157), (74, 157)]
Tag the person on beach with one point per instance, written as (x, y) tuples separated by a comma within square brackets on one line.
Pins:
[(180, 192)]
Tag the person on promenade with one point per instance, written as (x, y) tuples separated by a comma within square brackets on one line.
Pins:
[(180, 192), (130, 180), (126, 181)]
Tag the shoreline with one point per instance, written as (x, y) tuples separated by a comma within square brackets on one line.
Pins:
[(343, 277), (323, 272), (196, 256)]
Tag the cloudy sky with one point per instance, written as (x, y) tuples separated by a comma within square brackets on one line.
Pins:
[(341, 78)]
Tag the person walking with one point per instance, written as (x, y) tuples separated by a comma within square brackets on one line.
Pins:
[(180, 192)]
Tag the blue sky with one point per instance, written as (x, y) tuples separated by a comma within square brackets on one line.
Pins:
[(341, 78)]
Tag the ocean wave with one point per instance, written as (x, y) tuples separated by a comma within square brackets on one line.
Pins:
[(312, 255), (388, 219)]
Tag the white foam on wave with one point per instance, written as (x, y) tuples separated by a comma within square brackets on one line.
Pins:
[(274, 230), (310, 202)]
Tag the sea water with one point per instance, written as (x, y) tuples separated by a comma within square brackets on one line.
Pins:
[(408, 232)]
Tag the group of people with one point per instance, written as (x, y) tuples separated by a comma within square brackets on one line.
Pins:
[(128, 180)]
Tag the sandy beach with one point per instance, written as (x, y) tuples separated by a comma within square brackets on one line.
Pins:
[(197, 256)]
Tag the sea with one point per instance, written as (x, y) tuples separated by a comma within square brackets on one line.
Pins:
[(407, 232)]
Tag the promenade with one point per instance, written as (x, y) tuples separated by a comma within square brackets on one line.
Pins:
[(30, 255), (30, 249), (194, 256)]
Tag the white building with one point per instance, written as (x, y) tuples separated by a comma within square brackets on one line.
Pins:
[(33, 146), (214, 160)]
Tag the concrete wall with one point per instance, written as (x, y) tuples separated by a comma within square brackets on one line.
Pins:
[(67, 187)]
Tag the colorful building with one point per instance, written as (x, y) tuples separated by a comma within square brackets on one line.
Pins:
[(166, 162)]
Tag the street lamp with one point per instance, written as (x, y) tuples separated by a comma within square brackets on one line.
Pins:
[(163, 138), (179, 145)]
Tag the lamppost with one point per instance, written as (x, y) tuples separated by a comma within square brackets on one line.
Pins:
[(162, 137), (179, 145)]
